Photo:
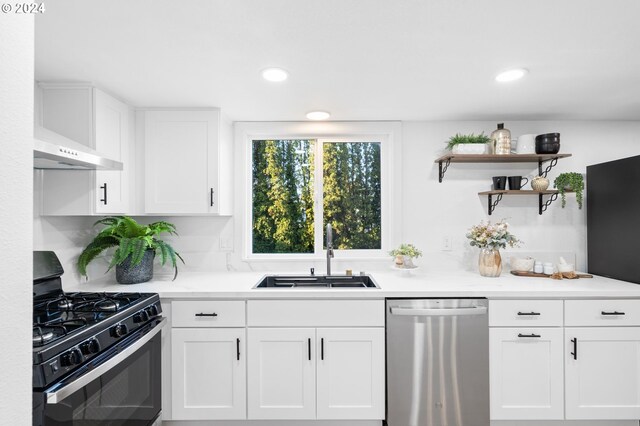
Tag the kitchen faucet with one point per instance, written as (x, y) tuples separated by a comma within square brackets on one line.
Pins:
[(329, 247)]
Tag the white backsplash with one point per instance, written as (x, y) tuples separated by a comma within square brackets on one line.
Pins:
[(429, 213)]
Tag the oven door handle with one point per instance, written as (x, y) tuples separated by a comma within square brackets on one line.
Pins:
[(58, 395)]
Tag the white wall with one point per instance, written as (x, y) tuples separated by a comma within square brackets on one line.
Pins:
[(198, 242), (430, 211), (433, 211), (16, 140)]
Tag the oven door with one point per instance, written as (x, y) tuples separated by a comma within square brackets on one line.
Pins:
[(121, 387)]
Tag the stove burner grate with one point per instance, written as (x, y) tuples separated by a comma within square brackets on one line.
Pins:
[(49, 331)]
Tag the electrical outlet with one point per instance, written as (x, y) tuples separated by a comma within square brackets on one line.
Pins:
[(226, 244), (447, 243)]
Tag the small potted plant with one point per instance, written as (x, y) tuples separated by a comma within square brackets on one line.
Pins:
[(468, 144), (404, 255), (136, 246), (570, 182)]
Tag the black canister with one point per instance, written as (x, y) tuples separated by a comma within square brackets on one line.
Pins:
[(548, 143)]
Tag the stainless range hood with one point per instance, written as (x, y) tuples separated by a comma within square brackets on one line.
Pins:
[(54, 151)]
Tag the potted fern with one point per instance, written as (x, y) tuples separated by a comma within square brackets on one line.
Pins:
[(567, 182), (136, 247)]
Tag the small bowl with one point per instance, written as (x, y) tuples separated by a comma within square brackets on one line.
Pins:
[(548, 143), (565, 267), (522, 264)]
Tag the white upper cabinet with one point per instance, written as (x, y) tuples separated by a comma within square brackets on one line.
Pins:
[(91, 117), (187, 162)]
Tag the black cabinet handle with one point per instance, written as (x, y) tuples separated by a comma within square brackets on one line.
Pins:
[(238, 349), (211, 197), (309, 347), (528, 313), (575, 348), (104, 193), (612, 313), (322, 348), (528, 335), (207, 315)]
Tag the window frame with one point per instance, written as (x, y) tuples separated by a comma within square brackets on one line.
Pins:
[(384, 133)]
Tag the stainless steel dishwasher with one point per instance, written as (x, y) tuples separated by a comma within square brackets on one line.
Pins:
[(437, 362)]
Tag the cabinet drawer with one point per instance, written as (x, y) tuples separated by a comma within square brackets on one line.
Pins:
[(315, 313), (525, 313), (602, 312), (208, 313)]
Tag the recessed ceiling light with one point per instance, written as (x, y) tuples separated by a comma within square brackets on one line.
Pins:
[(275, 74), (318, 115), (511, 75)]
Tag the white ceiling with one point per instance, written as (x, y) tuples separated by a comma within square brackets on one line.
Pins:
[(358, 59)]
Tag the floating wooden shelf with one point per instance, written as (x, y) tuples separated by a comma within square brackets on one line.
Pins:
[(542, 205), (446, 160)]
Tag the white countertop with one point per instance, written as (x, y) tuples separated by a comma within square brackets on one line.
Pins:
[(238, 285)]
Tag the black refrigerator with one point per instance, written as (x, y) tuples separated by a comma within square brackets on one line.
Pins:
[(613, 219)]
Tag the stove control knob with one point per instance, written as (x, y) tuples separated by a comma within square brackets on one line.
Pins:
[(141, 316), (73, 357), (90, 347), (119, 330), (152, 311)]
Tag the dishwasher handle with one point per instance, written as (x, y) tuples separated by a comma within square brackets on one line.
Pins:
[(439, 312)]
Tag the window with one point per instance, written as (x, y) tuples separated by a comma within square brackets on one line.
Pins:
[(301, 184)]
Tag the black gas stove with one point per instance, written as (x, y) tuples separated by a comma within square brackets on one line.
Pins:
[(77, 335), (71, 328)]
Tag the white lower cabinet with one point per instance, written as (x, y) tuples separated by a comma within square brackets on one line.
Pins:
[(602, 373), (208, 373), (526, 373), (281, 373), (578, 366), (350, 373), (323, 373)]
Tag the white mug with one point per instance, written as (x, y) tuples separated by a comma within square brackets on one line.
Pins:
[(526, 144)]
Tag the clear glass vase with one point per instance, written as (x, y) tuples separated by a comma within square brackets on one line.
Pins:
[(490, 262)]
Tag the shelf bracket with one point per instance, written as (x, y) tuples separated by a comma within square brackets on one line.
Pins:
[(544, 205), (551, 165), (491, 205), (443, 169)]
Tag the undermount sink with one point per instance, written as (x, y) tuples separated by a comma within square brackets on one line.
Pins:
[(317, 281)]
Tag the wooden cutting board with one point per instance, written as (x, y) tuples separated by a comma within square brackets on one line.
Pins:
[(533, 274)]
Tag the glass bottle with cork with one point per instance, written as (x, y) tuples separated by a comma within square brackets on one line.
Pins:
[(501, 140)]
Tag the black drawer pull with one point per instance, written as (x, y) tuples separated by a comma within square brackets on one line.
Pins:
[(309, 347), (528, 335), (612, 313), (206, 315), (238, 349), (575, 348), (527, 314), (322, 348)]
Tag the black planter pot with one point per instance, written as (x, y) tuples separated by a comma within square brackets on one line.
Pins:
[(140, 273)]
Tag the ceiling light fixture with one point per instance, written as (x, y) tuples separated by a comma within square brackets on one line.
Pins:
[(511, 75), (318, 115), (275, 74)]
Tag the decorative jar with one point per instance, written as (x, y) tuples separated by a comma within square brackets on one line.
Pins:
[(490, 262)]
